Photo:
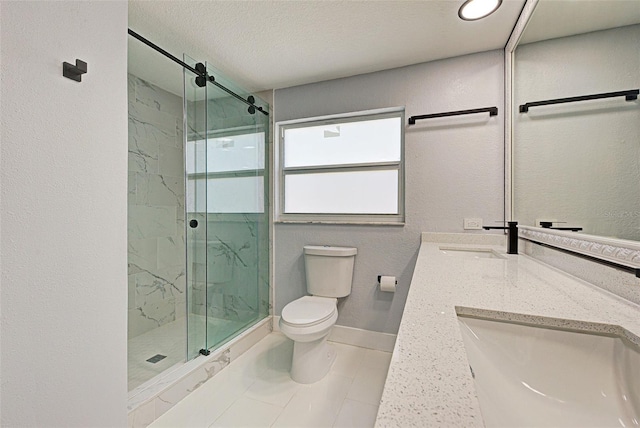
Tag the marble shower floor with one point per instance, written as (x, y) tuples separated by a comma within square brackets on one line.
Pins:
[(170, 340), (255, 390)]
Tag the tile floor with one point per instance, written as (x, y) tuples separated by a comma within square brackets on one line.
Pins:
[(256, 391)]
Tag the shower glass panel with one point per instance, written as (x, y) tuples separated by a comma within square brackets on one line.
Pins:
[(196, 214), (226, 195)]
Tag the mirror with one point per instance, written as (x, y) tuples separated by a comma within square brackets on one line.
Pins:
[(578, 162)]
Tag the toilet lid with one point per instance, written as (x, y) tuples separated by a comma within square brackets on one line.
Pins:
[(309, 310)]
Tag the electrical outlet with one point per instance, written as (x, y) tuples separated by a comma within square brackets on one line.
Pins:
[(472, 224)]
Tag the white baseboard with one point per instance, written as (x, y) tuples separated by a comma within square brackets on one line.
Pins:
[(363, 338), (355, 337)]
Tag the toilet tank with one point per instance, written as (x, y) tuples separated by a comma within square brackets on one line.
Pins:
[(329, 270)]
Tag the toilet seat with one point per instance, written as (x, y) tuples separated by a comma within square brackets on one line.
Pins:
[(308, 311)]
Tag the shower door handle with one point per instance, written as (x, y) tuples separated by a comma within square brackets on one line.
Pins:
[(193, 223)]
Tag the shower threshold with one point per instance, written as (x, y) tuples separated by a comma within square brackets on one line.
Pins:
[(168, 340), (154, 397)]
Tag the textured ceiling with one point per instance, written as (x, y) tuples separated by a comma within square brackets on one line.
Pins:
[(274, 44), (553, 18)]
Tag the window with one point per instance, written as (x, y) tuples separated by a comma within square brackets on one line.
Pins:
[(226, 174), (341, 169)]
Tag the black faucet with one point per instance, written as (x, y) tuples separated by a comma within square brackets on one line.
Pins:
[(549, 225), (512, 235)]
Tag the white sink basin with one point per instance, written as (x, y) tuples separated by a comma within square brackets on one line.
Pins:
[(472, 253), (542, 377)]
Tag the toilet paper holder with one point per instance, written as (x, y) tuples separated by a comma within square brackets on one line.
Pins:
[(380, 277)]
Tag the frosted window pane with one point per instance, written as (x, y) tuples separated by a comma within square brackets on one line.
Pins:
[(364, 141), (361, 192), (235, 153), (235, 195)]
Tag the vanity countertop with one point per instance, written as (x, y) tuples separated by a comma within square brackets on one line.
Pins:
[(429, 382)]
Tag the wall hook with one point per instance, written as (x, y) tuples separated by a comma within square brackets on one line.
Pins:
[(74, 72)]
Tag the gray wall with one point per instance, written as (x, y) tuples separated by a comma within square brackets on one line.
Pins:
[(454, 169), (64, 215)]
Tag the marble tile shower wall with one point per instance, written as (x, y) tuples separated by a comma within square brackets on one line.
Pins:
[(237, 271), (225, 115), (156, 241)]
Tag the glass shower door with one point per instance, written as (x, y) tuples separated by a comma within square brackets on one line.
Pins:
[(227, 219), (237, 218)]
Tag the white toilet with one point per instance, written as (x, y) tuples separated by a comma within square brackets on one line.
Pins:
[(308, 320)]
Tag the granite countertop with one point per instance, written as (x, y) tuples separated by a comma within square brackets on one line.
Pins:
[(429, 382)]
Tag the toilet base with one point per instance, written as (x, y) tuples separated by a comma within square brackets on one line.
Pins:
[(311, 360)]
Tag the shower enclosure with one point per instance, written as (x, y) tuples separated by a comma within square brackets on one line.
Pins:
[(226, 216), (198, 229)]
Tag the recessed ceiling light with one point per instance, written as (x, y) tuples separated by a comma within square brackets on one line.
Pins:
[(472, 10)]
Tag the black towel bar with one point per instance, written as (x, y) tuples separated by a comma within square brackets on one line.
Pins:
[(493, 111), (630, 95)]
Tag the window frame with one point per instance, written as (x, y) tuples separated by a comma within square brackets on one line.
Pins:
[(280, 171)]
